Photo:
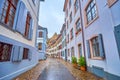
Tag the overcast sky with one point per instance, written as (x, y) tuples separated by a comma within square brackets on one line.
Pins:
[(52, 15)]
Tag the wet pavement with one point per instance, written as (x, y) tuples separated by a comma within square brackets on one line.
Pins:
[(55, 71)]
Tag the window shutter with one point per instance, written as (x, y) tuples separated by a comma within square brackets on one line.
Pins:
[(15, 53), (101, 46), (30, 55), (1, 6), (20, 17), (20, 54), (31, 29), (117, 37), (88, 49)]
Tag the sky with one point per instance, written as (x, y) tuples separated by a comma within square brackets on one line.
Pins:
[(51, 16)]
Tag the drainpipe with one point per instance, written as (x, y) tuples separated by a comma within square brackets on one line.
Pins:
[(82, 27)]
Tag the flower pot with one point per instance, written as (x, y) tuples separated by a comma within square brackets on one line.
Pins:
[(74, 65), (82, 68)]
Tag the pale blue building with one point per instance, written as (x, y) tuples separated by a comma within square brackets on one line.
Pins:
[(42, 35), (18, 24)]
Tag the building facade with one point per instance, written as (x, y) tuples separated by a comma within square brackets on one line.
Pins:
[(42, 41), (64, 50), (92, 29), (18, 25)]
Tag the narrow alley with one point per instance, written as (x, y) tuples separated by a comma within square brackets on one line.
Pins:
[(55, 71), (59, 39)]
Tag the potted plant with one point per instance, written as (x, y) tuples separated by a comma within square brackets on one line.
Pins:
[(74, 61), (82, 63)]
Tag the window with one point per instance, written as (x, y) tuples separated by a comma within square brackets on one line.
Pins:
[(67, 24), (91, 11), (68, 38), (70, 17), (72, 51), (68, 52), (34, 1), (40, 34), (72, 33), (111, 2), (77, 24), (27, 27), (5, 51), (8, 12), (76, 5), (79, 50), (39, 46), (25, 53), (95, 47), (66, 12), (69, 3)]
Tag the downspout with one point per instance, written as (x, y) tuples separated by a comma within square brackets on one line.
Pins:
[(83, 36)]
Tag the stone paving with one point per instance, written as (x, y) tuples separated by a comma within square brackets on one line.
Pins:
[(43, 66), (56, 71), (78, 74), (34, 73)]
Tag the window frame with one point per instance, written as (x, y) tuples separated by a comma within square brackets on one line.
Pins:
[(85, 14), (25, 53), (9, 51), (79, 54), (91, 49), (71, 34), (76, 6), (7, 13), (76, 26), (27, 26)]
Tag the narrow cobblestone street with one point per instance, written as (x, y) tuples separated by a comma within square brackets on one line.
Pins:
[(56, 69)]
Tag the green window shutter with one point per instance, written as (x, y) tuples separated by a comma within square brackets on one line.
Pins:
[(101, 46), (88, 49), (117, 37)]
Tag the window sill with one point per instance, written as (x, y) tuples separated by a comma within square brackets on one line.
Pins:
[(87, 25), (78, 32), (110, 5), (97, 58), (6, 26)]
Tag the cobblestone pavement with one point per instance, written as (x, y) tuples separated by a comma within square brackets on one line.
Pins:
[(34, 73), (57, 67), (55, 71), (78, 74)]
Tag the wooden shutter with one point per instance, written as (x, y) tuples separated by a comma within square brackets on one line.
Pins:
[(20, 17), (88, 49), (31, 29), (117, 37), (17, 53), (101, 46)]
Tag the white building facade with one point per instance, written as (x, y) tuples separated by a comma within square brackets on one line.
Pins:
[(18, 25), (42, 41), (93, 32)]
